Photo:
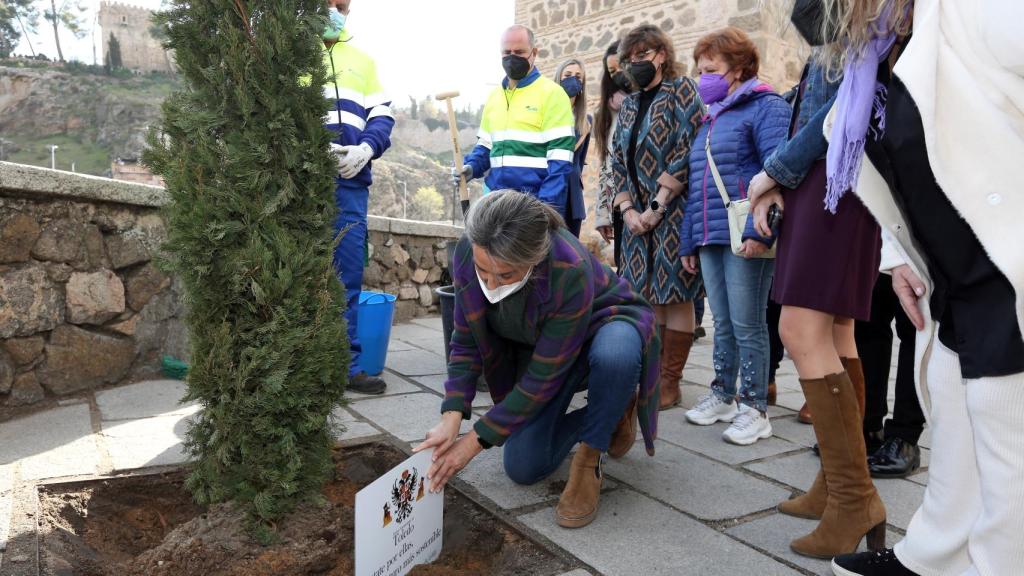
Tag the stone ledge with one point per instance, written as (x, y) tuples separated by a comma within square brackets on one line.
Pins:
[(55, 183), (414, 228)]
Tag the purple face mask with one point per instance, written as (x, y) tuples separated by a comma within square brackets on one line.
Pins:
[(712, 88)]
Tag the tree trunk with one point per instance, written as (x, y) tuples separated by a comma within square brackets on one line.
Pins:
[(24, 32), (56, 35)]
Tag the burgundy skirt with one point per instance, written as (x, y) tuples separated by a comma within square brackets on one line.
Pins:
[(826, 262)]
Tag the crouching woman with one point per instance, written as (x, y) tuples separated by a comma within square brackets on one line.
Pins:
[(541, 318)]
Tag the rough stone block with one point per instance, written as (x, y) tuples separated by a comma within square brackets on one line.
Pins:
[(24, 351), (31, 302), (434, 276), (126, 249), (420, 275), (25, 390), (95, 253), (6, 373), (399, 255), (143, 284), (426, 295), (78, 359), (408, 293), (636, 535), (60, 241), (18, 234), (94, 298), (126, 327)]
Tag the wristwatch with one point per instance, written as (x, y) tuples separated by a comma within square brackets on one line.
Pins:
[(657, 207)]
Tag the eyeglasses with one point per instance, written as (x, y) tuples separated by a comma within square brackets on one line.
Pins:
[(641, 56)]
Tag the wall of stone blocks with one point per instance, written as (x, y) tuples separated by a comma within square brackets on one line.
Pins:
[(583, 29)]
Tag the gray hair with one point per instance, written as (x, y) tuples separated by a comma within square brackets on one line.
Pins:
[(512, 226), (529, 33)]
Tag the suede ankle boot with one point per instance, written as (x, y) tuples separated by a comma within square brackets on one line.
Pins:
[(853, 508), (675, 350), (577, 506), (624, 435)]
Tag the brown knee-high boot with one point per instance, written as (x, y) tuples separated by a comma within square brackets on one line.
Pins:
[(853, 507), (675, 350), (812, 504)]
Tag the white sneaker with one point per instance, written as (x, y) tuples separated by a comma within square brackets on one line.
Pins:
[(711, 409), (748, 427)]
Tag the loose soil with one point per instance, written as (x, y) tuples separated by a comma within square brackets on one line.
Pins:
[(149, 525)]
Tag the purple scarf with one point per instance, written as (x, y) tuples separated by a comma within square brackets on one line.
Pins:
[(860, 98)]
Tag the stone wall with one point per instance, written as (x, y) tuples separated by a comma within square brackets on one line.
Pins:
[(130, 25), (583, 29), (83, 305)]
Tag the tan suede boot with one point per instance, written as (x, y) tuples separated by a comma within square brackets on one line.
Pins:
[(856, 371), (804, 416), (624, 435), (853, 508), (772, 393), (577, 506), (675, 351)]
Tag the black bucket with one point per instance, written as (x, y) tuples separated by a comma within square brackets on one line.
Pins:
[(447, 296)]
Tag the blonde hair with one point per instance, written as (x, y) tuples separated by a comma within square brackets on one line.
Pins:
[(579, 108), (854, 24)]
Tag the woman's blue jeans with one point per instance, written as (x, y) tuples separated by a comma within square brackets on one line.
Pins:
[(612, 360), (737, 291)]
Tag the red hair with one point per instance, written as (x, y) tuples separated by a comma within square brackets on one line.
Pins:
[(734, 46)]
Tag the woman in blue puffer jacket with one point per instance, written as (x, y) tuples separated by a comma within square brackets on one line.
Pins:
[(746, 120)]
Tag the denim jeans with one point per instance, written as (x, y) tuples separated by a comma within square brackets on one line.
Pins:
[(738, 294), (613, 360)]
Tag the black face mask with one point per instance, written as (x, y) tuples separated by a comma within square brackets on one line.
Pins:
[(621, 80), (807, 18), (516, 67), (643, 73)]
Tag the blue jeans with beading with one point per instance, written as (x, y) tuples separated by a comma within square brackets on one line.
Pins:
[(737, 290)]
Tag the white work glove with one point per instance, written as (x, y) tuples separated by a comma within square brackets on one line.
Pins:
[(467, 171), (351, 159)]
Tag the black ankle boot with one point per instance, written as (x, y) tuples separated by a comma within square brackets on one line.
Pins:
[(881, 563), (363, 383), (897, 458)]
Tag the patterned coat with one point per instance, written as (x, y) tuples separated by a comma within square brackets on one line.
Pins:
[(572, 296), (651, 261)]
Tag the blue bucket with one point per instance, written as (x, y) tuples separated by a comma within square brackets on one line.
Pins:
[(376, 311)]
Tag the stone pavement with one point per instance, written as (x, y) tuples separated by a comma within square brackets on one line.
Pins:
[(700, 506)]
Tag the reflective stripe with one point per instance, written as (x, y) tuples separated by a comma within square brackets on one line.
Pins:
[(533, 137), (484, 139), (380, 111), (558, 154), (519, 162), (377, 99), (349, 118), (344, 94)]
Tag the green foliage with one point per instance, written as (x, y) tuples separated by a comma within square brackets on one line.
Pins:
[(245, 159), (113, 59), (427, 204), (17, 18)]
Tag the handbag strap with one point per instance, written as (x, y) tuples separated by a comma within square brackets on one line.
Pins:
[(714, 170)]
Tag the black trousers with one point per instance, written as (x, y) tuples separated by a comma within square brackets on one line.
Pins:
[(874, 343), (776, 350)]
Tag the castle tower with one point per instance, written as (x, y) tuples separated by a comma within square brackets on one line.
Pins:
[(130, 26)]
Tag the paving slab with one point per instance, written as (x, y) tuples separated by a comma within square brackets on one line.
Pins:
[(486, 473), (673, 427), (792, 400), (432, 322), (772, 534), (417, 363), (145, 399), (793, 431), (435, 382), (699, 375), (414, 331), (698, 486), (919, 478), (395, 345), (577, 572), (395, 385), (902, 499), (51, 444), (407, 417), (797, 470), (6, 503), (146, 442), (633, 534)]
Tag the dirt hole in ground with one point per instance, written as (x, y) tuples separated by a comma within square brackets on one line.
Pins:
[(148, 525)]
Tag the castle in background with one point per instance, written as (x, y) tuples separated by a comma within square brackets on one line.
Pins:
[(130, 25), (583, 29)]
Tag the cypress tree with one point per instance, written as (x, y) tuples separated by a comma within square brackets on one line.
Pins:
[(244, 156)]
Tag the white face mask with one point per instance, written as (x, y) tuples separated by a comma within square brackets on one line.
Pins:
[(502, 292)]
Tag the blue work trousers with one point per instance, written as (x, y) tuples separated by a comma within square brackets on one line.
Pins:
[(350, 256)]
